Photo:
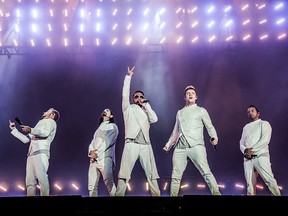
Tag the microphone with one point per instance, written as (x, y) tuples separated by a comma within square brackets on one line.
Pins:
[(146, 101), (18, 121)]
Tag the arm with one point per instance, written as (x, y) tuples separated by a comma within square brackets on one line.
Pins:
[(247, 152), (152, 116), (174, 135), (17, 134), (111, 134), (209, 126), (266, 132), (43, 129), (126, 89), (242, 142)]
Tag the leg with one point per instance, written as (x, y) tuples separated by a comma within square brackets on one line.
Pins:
[(254, 180), (129, 156), (198, 156), (148, 164), (41, 163), (108, 177), (263, 166), (249, 176), (93, 180), (179, 162), (30, 180), (121, 187)]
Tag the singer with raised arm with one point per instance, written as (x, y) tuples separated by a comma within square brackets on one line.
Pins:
[(187, 138), (254, 144), (39, 138), (101, 152), (137, 119)]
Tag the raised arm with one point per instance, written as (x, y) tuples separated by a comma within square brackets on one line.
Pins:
[(126, 88), (23, 138)]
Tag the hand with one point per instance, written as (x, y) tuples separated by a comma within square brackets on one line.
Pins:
[(26, 129), (131, 71), (11, 125), (214, 141), (249, 153), (165, 149), (93, 154)]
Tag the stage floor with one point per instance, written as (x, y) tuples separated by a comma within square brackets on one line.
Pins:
[(78, 205)]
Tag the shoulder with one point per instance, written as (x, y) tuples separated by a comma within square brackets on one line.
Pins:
[(264, 122), (48, 120), (114, 125), (202, 109)]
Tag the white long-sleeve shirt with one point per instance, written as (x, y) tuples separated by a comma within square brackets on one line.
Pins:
[(256, 135), (190, 122), (136, 118), (41, 136), (104, 141)]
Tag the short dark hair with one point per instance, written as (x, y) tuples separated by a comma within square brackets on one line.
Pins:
[(138, 91), (189, 87), (251, 105)]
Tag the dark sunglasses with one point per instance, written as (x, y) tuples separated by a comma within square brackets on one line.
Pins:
[(138, 96)]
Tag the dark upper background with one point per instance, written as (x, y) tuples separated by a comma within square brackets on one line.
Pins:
[(80, 86)]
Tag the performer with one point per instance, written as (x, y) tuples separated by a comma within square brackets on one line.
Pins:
[(254, 144), (40, 138), (137, 119), (102, 154), (188, 139)]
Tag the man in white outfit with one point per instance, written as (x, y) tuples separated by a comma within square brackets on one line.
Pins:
[(254, 144), (188, 140), (137, 119), (101, 152), (40, 138)]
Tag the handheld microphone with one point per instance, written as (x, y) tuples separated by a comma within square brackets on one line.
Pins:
[(146, 101), (18, 121)]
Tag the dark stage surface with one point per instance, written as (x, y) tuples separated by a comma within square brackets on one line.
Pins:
[(78, 205)]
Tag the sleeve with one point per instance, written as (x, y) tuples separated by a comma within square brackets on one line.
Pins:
[(152, 116), (175, 134), (266, 132), (112, 134), (91, 145), (208, 124), (44, 129), (126, 93), (242, 141), (20, 136)]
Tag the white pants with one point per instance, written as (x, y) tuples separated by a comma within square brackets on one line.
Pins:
[(131, 153), (263, 166), (95, 173), (36, 170), (198, 156)]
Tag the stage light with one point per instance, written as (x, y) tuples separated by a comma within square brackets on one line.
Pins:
[(58, 187), (201, 186), (2, 188), (221, 185), (241, 186), (129, 186), (165, 186), (21, 187), (75, 186), (259, 187), (281, 36), (184, 186)]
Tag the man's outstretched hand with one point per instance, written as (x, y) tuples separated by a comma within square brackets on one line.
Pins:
[(130, 71)]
